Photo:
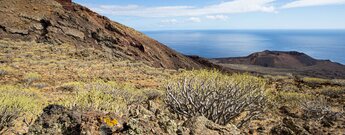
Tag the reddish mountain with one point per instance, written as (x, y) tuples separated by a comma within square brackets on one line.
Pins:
[(294, 61), (61, 21), (276, 59)]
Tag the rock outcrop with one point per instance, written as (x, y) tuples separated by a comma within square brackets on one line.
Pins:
[(61, 21)]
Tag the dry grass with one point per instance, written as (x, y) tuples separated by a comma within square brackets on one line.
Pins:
[(103, 96), (59, 64), (19, 106)]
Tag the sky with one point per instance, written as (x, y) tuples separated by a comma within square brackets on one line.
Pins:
[(222, 14)]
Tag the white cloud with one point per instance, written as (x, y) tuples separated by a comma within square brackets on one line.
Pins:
[(217, 17), (234, 6), (169, 21), (194, 19), (308, 3)]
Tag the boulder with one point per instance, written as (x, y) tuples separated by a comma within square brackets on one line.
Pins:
[(56, 120)]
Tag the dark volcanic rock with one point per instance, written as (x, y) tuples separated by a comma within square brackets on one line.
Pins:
[(61, 21), (56, 119)]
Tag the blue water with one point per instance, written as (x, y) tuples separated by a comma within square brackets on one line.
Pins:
[(320, 44)]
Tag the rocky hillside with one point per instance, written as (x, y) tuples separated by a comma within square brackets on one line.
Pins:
[(61, 21), (295, 62)]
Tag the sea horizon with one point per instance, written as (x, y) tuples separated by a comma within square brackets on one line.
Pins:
[(247, 29), (323, 44)]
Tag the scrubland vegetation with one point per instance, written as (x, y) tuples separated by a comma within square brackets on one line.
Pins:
[(33, 76), (220, 98)]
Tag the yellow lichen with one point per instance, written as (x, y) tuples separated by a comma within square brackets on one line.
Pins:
[(110, 122)]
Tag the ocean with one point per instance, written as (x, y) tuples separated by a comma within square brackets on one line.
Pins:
[(320, 44)]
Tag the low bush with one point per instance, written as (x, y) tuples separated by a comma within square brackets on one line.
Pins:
[(315, 82), (104, 96), (5, 70), (71, 86), (286, 98), (315, 109), (318, 109), (29, 78), (8, 115), (340, 82), (333, 92), (220, 98), (153, 94), (17, 102)]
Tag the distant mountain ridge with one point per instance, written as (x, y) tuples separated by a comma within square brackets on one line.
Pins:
[(278, 59), (62, 21), (292, 60)]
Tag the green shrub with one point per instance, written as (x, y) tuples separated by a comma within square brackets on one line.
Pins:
[(315, 82), (5, 70), (8, 115), (18, 102), (333, 92), (103, 96), (29, 78), (71, 86), (152, 94), (26, 99), (319, 109), (340, 82), (220, 98), (293, 99)]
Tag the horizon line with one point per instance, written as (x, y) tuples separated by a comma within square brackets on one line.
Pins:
[(149, 30)]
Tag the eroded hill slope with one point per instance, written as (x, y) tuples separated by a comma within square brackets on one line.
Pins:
[(61, 21)]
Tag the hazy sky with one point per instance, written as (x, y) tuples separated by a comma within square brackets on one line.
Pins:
[(222, 14)]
